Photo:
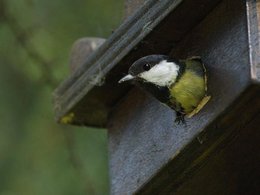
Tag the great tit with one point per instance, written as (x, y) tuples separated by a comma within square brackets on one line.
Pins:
[(180, 84)]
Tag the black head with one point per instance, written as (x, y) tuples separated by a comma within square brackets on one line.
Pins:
[(146, 63), (156, 69)]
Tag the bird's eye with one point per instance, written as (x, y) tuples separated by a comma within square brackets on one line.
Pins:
[(147, 67)]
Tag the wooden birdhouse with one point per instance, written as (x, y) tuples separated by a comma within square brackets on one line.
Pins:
[(216, 152)]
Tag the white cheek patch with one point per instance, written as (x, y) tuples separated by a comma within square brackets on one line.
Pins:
[(162, 74)]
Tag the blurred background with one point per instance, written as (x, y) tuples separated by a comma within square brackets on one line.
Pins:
[(38, 156)]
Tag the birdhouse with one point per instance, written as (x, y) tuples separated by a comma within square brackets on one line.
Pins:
[(216, 151)]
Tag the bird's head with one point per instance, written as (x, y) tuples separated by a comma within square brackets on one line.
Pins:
[(159, 70)]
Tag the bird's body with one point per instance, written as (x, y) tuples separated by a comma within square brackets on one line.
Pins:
[(190, 89), (180, 84)]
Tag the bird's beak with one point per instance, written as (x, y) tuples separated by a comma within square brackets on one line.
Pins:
[(126, 78)]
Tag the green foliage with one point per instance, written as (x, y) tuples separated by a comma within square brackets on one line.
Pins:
[(38, 156)]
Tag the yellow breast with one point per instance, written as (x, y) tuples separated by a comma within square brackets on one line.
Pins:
[(188, 91)]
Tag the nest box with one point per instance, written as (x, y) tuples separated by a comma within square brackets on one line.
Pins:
[(216, 152)]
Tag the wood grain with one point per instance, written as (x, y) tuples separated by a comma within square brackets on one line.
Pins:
[(253, 17), (131, 6)]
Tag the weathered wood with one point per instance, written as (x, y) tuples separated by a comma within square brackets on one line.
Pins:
[(149, 154), (81, 49), (81, 100), (253, 13), (131, 6), (234, 169), (215, 139), (145, 145)]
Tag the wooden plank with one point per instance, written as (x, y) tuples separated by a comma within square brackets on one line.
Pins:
[(131, 6), (233, 169), (149, 154), (253, 17), (213, 140), (82, 49), (88, 95)]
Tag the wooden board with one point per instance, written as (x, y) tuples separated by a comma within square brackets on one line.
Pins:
[(131, 6), (234, 167)]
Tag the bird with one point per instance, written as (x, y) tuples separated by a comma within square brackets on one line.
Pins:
[(179, 84)]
